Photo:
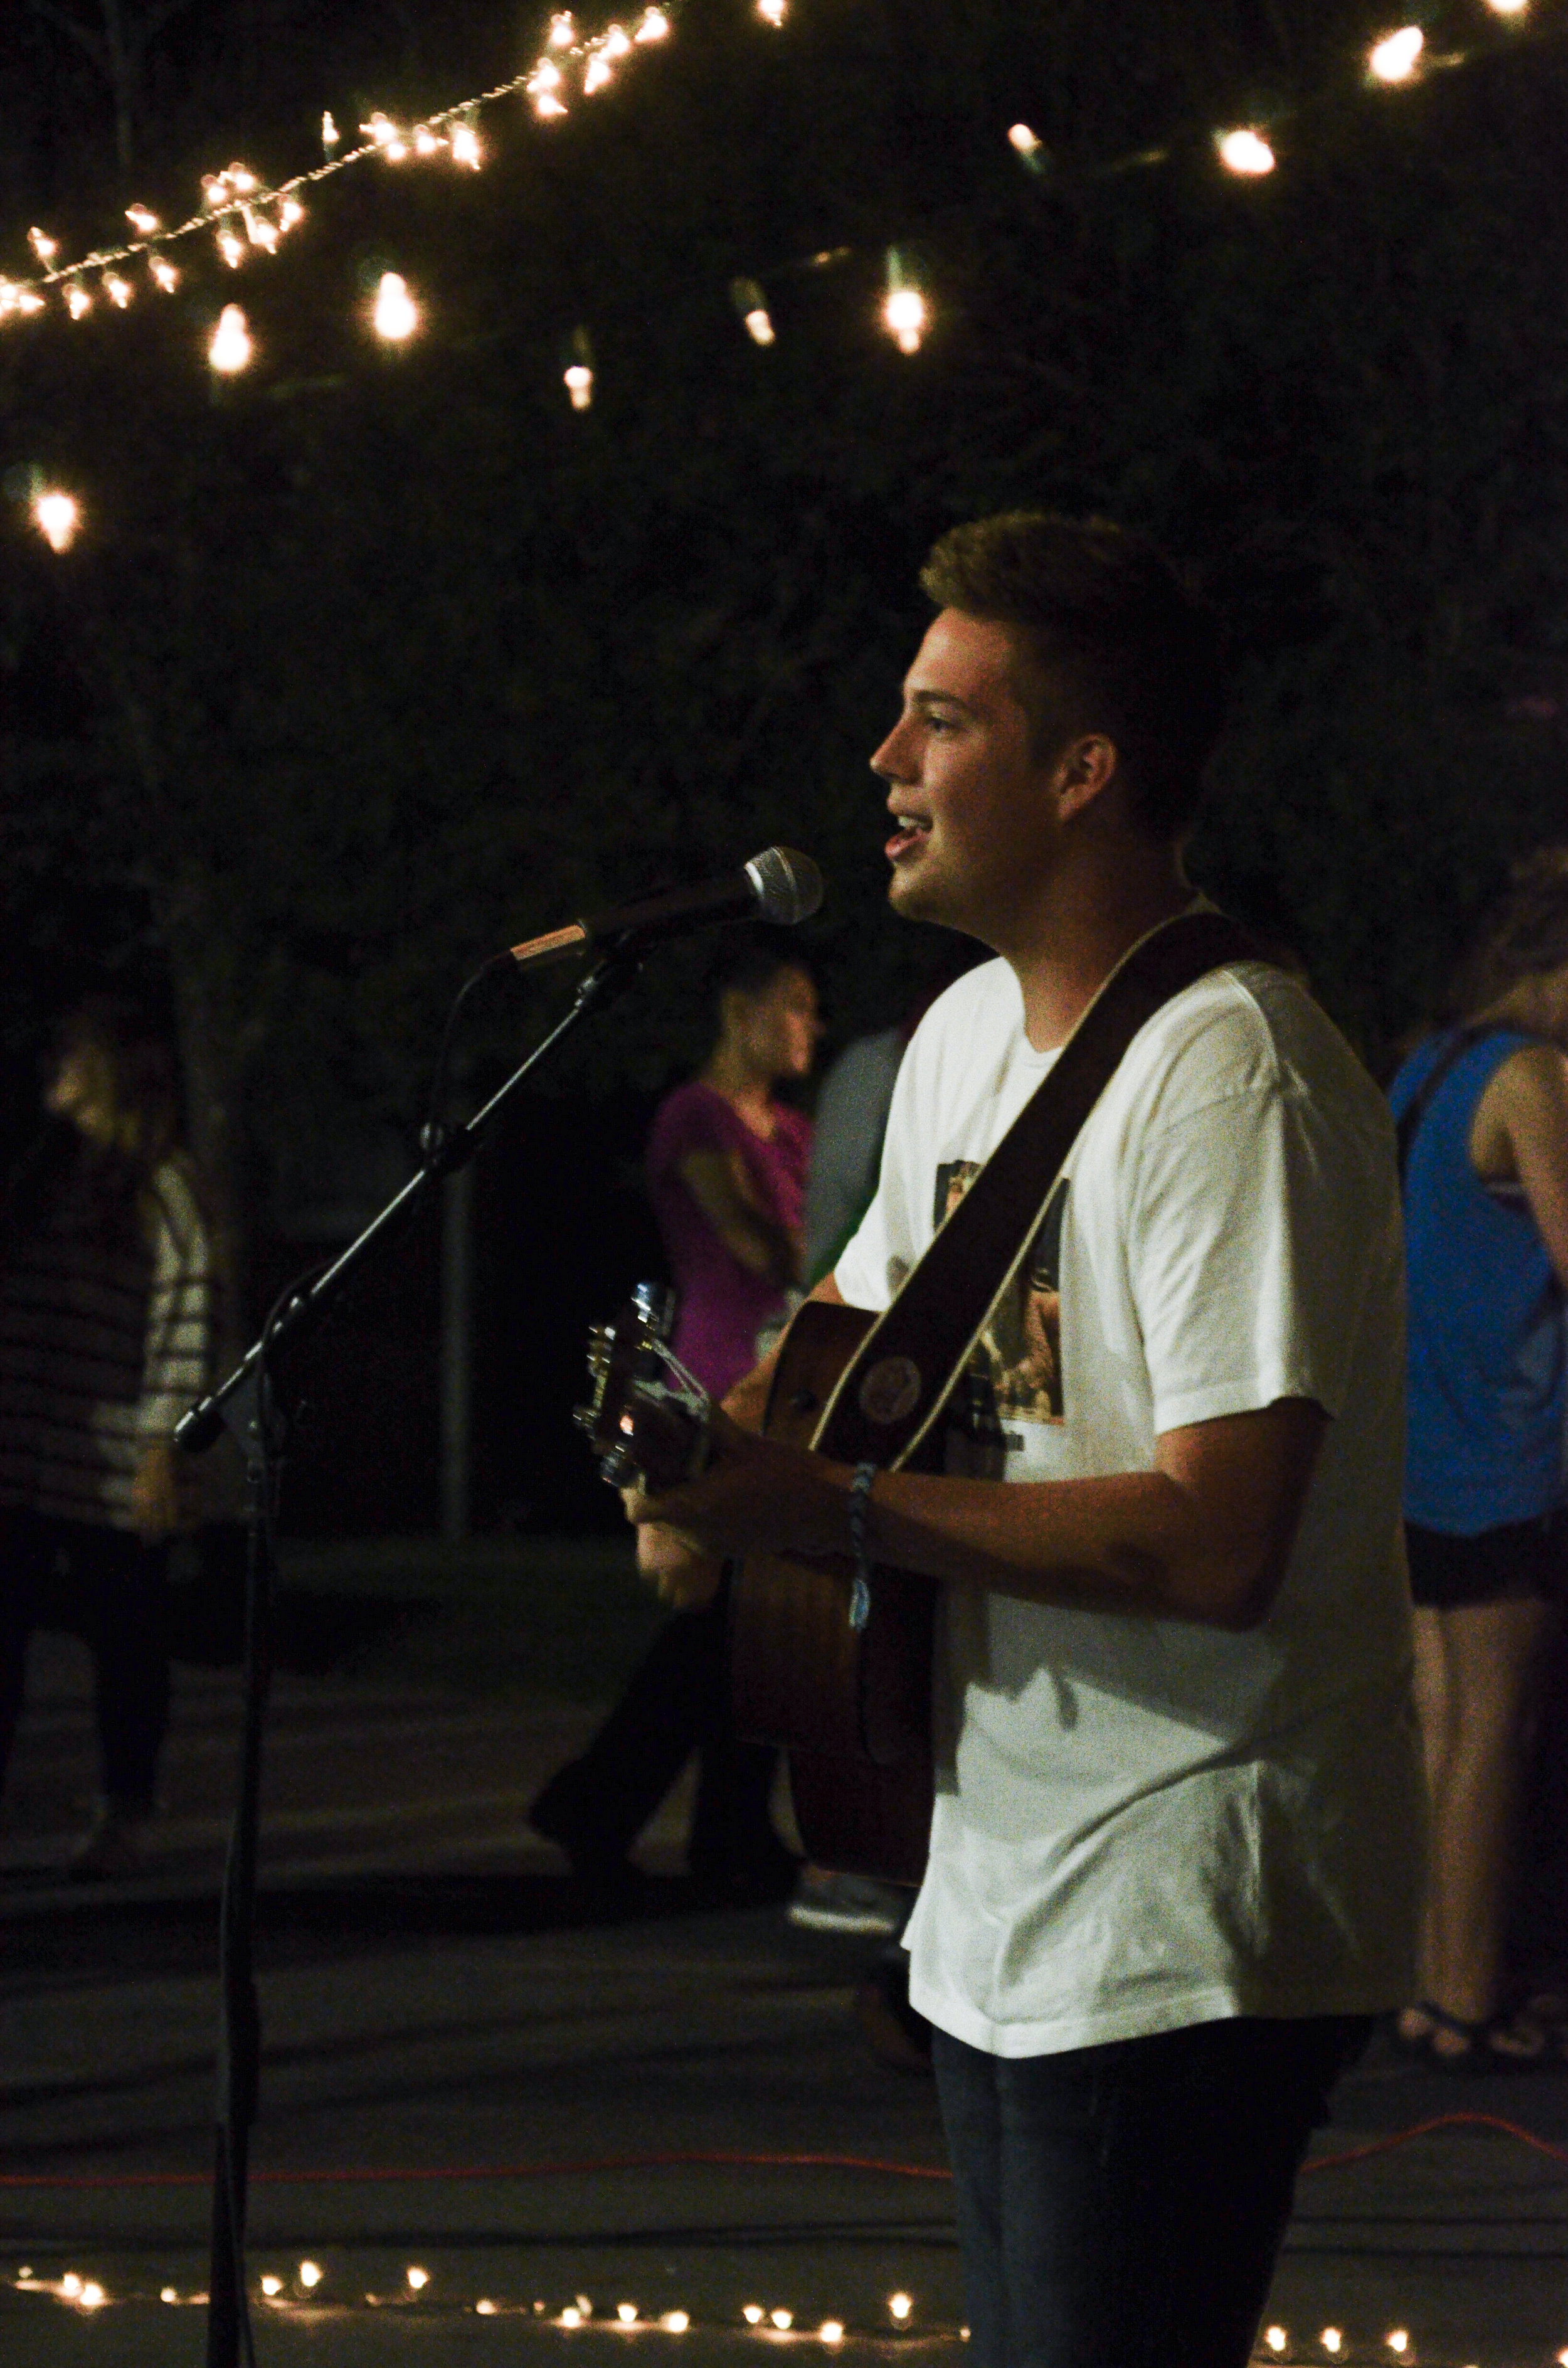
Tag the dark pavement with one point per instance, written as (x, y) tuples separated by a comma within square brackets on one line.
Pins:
[(473, 2075)]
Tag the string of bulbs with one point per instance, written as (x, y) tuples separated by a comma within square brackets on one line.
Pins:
[(243, 215)]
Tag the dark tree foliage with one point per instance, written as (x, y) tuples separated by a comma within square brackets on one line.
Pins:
[(371, 662)]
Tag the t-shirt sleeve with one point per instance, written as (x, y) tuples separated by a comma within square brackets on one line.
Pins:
[(1254, 1226), (687, 1121)]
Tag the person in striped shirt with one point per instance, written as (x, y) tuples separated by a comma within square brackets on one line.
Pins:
[(106, 1336)]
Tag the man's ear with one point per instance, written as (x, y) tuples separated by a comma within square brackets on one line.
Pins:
[(1084, 772)]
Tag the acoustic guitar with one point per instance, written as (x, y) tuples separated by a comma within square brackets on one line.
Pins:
[(840, 1677)]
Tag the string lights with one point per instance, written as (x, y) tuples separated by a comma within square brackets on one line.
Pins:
[(309, 2284), (243, 215), (1244, 152), (1396, 57), (240, 210), (906, 312), (394, 314), (230, 349), (58, 517)]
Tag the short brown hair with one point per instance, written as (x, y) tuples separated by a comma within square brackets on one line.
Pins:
[(1112, 641)]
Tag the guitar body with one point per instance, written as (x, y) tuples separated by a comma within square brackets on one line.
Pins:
[(851, 1706)]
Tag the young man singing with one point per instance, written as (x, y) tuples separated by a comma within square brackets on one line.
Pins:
[(1174, 1859)]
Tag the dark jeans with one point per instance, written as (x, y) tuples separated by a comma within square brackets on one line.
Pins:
[(118, 1591), (1121, 2206)]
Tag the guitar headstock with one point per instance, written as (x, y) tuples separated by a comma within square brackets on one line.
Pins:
[(646, 1419)]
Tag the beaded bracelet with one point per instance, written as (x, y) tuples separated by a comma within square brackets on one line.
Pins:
[(859, 1506)]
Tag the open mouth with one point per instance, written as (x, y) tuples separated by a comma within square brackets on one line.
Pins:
[(908, 832)]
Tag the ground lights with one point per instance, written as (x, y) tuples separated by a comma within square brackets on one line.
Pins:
[(772, 2324)]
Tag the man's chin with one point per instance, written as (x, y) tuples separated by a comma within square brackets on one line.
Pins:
[(915, 899)]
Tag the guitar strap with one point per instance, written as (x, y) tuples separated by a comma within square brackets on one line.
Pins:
[(893, 1392)]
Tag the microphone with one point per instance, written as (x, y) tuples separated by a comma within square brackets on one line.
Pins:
[(780, 885)]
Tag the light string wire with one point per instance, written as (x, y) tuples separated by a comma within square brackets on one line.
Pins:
[(236, 203), (238, 200), (595, 2165)]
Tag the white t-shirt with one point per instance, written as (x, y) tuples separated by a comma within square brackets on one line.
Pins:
[(1145, 1823)]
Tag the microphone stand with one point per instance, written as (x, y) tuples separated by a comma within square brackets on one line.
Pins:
[(251, 1404)]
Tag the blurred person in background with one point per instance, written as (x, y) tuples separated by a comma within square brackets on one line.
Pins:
[(726, 1172), (1482, 1115), (106, 1337)]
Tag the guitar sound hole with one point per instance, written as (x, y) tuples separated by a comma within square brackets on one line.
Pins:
[(804, 1402)]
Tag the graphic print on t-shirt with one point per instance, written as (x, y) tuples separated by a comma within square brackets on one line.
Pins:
[(1016, 1369)]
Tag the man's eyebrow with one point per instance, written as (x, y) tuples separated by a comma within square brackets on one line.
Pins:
[(928, 699)]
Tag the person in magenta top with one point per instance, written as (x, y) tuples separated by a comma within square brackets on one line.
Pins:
[(727, 1170), (727, 1175)]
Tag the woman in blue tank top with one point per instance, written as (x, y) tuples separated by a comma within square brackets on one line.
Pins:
[(1483, 1113)]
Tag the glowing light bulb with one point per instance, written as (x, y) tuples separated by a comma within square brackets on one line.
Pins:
[(271, 2285), (655, 27), (782, 2319), (485, 2307), (231, 351), (77, 301), (1027, 142), (418, 2280), (1333, 2341), (906, 314), (899, 2307), (71, 2285), (164, 272), (466, 147), (1396, 56), (1508, 7), (214, 190), (140, 220), (43, 246), (29, 300), (580, 385), (626, 2313), (168, 2294), (118, 291), (1276, 2338), (754, 2313), (92, 2297), (263, 232), (596, 74), (585, 2303), (1399, 2342), (772, 12), (330, 134), (616, 42), (760, 325), (396, 316), (58, 517), (311, 2274), (231, 247), (563, 32), (546, 75), (831, 2331), (1244, 152), (571, 2316), (425, 142), (242, 179), (675, 2322)]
